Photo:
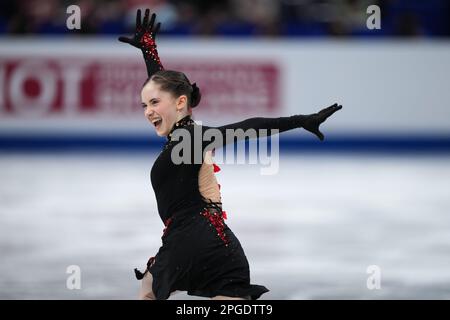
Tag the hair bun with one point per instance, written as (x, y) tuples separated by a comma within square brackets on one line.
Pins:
[(195, 95)]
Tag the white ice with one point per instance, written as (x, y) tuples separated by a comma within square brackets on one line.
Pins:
[(309, 232)]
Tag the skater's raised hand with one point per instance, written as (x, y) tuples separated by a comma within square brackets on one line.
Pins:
[(312, 122), (144, 39), (144, 28)]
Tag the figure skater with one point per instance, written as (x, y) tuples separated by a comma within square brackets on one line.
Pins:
[(199, 253)]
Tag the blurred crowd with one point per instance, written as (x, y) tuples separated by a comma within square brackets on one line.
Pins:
[(231, 17)]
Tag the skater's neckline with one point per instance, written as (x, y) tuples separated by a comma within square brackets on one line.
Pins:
[(187, 120)]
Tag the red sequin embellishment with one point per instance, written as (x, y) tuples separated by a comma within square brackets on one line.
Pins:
[(216, 219), (166, 223), (149, 47), (216, 167)]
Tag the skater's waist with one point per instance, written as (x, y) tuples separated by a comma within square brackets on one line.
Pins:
[(181, 215), (190, 209)]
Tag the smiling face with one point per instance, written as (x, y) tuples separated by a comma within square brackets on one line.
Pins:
[(161, 108)]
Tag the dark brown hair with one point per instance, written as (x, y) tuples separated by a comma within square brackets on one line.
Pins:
[(177, 84)]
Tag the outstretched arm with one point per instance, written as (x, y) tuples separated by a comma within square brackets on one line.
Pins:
[(309, 122), (144, 39)]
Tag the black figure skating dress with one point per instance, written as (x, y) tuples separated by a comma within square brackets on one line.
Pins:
[(199, 253)]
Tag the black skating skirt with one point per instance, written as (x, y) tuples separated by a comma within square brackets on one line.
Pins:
[(201, 255)]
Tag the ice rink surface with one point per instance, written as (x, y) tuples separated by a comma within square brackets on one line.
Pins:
[(309, 232)]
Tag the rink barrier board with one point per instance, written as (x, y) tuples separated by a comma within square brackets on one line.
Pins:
[(336, 143)]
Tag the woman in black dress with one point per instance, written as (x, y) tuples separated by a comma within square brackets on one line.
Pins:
[(199, 253)]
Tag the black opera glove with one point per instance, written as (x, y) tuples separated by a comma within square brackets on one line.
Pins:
[(312, 122), (144, 39)]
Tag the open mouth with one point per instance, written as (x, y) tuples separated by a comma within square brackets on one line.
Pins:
[(157, 123)]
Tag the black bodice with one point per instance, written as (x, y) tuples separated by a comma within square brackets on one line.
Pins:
[(176, 185)]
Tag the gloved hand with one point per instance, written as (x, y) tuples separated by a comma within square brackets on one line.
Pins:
[(312, 122), (144, 39)]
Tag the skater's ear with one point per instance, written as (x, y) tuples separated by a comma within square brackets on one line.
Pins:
[(181, 102)]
